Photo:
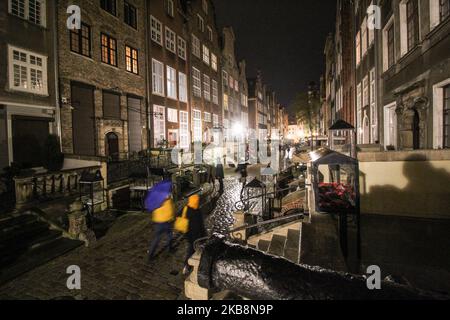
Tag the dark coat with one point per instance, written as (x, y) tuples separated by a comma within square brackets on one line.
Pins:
[(196, 225), (220, 174)]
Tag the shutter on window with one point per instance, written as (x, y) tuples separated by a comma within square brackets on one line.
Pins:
[(83, 120), (134, 125), (111, 105)]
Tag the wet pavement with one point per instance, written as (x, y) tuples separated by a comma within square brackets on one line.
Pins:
[(115, 268)]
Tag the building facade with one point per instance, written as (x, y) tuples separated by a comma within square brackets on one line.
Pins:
[(169, 61), (102, 79), (366, 75), (415, 74), (29, 106), (258, 107), (205, 54), (128, 76)]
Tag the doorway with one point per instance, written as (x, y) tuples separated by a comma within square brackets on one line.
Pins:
[(112, 146)]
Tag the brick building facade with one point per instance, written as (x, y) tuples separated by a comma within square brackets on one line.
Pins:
[(102, 76)]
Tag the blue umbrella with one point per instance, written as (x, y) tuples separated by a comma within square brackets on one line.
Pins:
[(157, 195)]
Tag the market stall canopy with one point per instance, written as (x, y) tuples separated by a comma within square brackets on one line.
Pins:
[(327, 156), (341, 125)]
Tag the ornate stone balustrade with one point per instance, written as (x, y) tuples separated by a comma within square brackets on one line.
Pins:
[(49, 185)]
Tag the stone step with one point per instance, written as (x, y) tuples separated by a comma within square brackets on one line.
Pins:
[(9, 223), (37, 257), (277, 245), (26, 231), (293, 239), (263, 245), (292, 247), (14, 251)]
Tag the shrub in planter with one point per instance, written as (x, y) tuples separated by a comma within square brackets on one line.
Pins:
[(52, 157)]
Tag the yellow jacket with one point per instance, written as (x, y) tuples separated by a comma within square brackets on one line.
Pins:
[(166, 213)]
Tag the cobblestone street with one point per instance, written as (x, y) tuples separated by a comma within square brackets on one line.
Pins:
[(114, 268)]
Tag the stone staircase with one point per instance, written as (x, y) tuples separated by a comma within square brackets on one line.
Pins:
[(283, 241), (26, 242)]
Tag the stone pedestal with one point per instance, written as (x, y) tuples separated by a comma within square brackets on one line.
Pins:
[(240, 220), (192, 289), (78, 229)]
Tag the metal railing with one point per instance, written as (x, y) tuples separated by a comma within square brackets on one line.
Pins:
[(233, 234)]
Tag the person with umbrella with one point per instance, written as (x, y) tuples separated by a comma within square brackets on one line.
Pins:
[(160, 204)]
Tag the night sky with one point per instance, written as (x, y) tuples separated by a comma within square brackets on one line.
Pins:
[(283, 38)]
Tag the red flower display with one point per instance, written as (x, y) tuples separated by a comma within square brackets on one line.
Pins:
[(336, 198)]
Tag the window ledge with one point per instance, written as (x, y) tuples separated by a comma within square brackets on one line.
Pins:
[(29, 92)]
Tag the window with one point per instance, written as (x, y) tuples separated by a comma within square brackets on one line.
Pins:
[(206, 87), (31, 10), (373, 107), (197, 119), (245, 119), (108, 5), (358, 97), (206, 55), (171, 40), (80, 40), (216, 123), (364, 37), (225, 78), (172, 115), (109, 50), (171, 83), (444, 9), (244, 100), (131, 60), (231, 82), (446, 117), (130, 15), (182, 87), (156, 30), (196, 82), (390, 46), (365, 91), (358, 48), (412, 18), (27, 71), (236, 85), (159, 124), (196, 46), (215, 92), (158, 77), (170, 8), (371, 36), (207, 117), (181, 48), (390, 126), (184, 130), (225, 101), (210, 34), (200, 23), (213, 61), (111, 105), (205, 6)]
